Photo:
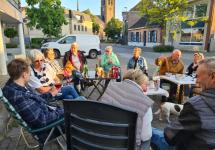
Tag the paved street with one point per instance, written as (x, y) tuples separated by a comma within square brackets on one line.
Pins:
[(124, 53)]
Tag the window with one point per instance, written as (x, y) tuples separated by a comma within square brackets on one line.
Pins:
[(82, 28), (192, 35), (68, 40), (152, 36), (86, 29), (137, 37), (133, 37), (75, 27), (109, 2), (201, 10), (78, 27)]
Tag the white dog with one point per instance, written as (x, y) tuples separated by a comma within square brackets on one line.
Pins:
[(167, 108)]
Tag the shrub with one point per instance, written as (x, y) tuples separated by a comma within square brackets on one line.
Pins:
[(11, 45), (37, 40), (163, 48), (10, 32)]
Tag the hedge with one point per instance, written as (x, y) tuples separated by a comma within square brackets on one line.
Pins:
[(163, 48), (11, 45)]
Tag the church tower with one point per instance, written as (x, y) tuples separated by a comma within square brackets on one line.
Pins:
[(107, 10)]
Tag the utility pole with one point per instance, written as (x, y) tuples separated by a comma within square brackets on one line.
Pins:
[(77, 5)]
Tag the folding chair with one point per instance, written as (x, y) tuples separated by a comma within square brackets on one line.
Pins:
[(49, 129), (93, 125)]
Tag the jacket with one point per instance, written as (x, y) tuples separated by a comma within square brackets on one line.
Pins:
[(169, 66), (68, 63), (141, 63), (104, 61), (195, 127), (129, 95)]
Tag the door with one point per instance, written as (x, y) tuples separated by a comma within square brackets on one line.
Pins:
[(144, 38)]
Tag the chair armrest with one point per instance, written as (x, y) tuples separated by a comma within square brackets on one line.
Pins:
[(51, 125)]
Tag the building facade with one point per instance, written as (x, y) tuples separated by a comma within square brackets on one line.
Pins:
[(200, 35), (78, 23), (10, 14), (107, 10)]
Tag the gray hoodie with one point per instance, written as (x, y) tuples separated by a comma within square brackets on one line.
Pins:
[(195, 127)]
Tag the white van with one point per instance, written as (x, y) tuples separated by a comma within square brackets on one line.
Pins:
[(89, 44)]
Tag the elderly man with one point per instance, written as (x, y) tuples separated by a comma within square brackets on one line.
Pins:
[(194, 129), (137, 61), (109, 59), (73, 63), (171, 64), (33, 108)]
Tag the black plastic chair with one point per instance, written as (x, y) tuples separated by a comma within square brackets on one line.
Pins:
[(92, 125)]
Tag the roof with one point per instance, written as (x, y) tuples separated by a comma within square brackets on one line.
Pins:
[(143, 22)]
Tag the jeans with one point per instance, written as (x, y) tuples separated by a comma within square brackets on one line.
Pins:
[(145, 145), (159, 140), (76, 75), (68, 92)]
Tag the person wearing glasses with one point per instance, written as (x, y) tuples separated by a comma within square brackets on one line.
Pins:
[(43, 78), (194, 128), (109, 59)]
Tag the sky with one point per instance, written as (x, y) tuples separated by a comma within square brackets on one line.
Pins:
[(95, 5)]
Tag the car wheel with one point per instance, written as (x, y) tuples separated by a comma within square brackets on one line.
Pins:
[(57, 54), (93, 54)]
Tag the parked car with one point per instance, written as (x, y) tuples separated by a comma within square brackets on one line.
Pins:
[(89, 44)]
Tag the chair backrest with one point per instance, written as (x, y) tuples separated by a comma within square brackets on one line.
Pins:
[(13, 112), (96, 126)]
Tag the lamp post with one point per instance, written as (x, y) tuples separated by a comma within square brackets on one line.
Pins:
[(125, 26)]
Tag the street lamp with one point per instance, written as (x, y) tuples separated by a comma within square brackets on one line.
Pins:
[(125, 26)]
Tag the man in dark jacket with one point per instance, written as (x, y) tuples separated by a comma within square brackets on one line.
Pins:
[(195, 127)]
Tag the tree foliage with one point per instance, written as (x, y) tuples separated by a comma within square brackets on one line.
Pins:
[(47, 15), (96, 26), (10, 32), (113, 28)]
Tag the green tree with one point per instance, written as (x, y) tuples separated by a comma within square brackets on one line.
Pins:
[(168, 11), (10, 32), (113, 28), (47, 15), (96, 26)]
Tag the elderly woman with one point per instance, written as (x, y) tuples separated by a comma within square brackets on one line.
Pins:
[(43, 77), (50, 59), (109, 59), (194, 65), (130, 94), (73, 64), (137, 61)]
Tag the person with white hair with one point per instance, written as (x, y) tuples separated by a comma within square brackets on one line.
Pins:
[(73, 63), (109, 59), (172, 64), (43, 77)]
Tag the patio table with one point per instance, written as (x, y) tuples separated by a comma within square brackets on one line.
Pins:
[(160, 91), (180, 82)]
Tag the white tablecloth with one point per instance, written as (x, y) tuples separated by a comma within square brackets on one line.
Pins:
[(186, 80), (160, 91)]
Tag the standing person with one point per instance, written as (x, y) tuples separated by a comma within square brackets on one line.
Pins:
[(73, 63), (50, 59), (194, 129), (43, 77), (33, 108), (109, 59), (130, 94), (137, 61), (172, 64)]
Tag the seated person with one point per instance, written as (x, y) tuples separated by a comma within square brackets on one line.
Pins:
[(73, 63), (130, 94), (194, 128), (194, 65), (50, 59), (33, 108), (109, 59), (172, 64), (137, 61), (43, 77)]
